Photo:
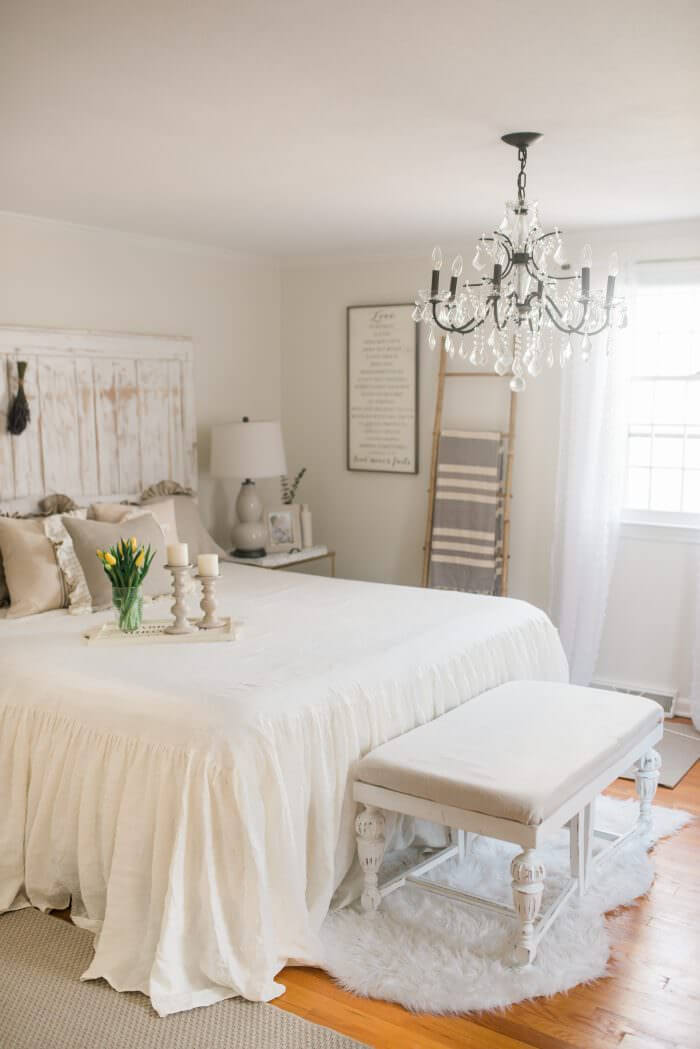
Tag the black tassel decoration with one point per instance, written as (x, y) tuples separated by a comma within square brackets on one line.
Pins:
[(18, 415)]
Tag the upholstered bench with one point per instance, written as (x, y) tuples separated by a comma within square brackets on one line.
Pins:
[(517, 763)]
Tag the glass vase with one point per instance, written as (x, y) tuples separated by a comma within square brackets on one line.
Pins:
[(128, 608)]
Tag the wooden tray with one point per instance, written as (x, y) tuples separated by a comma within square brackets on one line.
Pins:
[(152, 632)]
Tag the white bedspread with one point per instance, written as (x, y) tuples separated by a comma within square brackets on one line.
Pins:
[(192, 801)]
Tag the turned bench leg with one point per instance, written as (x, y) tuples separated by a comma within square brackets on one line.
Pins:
[(647, 778), (528, 883), (577, 851), (462, 840), (369, 827)]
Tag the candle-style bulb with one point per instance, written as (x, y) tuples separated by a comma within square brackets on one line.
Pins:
[(614, 265), (457, 266), (587, 257), (437, 258)]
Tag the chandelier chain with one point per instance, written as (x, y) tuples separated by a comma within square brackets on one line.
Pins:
[(522, 175)]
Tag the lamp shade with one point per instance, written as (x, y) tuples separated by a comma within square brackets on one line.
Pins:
[(248, 449)]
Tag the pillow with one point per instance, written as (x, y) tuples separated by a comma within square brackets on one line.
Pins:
[(190, 529), (34, 580), (114, 513), (90, 536), (74, 582), (4, 592), (164, 512)]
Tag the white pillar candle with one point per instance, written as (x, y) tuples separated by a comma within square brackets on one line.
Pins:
[(208, 564), (178, 554)]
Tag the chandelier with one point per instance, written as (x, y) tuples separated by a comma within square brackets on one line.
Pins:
[(528, 310)]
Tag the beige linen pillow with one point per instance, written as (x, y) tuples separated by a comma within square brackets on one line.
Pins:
[(4, 592), (74, 583), (190, 528), (33, 577), (114, 513), (90, 536), (162, 509)]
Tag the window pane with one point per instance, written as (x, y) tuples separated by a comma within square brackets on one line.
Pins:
[(639, 451), (669, 402), (693, 401), (692, 450), (641, 401), (673, 354), (691, 492), (637, 489), (668, 448), (665, 490)]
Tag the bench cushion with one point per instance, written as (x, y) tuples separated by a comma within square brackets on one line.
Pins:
[(517, 752)]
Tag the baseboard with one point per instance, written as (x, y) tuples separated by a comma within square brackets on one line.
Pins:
[(683, 707), (673, 704)]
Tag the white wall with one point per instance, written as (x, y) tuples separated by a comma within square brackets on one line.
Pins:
[(376, 522), (57, 275)]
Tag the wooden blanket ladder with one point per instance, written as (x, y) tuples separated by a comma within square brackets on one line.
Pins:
[(508, 436)]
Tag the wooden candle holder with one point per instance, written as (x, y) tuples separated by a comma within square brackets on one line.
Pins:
[(208, 603), (179, 609)]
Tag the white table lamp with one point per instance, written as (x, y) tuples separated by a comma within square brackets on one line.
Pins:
[(248, 450)]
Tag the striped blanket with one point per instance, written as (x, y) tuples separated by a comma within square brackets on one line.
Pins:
[(466, 544)]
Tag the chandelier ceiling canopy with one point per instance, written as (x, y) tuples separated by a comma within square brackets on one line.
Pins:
[(529, 308)]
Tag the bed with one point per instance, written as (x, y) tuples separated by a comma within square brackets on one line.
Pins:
[(191, 803)]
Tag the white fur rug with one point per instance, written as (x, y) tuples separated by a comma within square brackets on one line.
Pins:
[(431, 954)]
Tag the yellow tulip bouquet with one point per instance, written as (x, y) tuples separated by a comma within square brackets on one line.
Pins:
[(126, 566)]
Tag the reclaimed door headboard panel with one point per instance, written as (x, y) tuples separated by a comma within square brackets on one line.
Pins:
[(110, 413)]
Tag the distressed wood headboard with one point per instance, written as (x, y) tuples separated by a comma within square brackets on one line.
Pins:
[(110, 413)]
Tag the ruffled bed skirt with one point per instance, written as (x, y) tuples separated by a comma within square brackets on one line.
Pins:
[(147, 846), (202, 880)]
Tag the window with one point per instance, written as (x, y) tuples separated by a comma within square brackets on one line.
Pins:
[(663, 436)]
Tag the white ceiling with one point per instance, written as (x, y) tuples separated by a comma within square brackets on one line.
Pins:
[(315, 126)]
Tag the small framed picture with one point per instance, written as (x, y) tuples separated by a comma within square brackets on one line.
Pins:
[(283, 529)]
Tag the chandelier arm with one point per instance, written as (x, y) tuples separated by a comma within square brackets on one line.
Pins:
[(543, 236), (451, 328), (604, 325), (562, 328)]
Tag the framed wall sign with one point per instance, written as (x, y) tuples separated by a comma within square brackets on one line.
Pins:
[(382, 389)]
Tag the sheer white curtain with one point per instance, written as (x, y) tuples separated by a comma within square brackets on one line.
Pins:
[(590, 492)]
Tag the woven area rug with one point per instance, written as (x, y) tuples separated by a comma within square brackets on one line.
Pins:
[(44, 1005), (435, 955)]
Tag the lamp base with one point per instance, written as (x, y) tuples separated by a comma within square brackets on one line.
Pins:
[(249, 535)]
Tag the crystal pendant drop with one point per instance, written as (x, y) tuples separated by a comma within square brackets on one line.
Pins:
[(473, 356), (534, 366), (417, 313), (432, 337), (449, 348), (491, 341), (501, 366), (586, 347), (462, 349), (566, 353), (478, 260), (550, 356), (517, 384)]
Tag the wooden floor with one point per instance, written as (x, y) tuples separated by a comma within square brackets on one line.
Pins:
[(651, 1000)]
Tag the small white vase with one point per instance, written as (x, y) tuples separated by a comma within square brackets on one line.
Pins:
[(306, 529)]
